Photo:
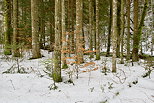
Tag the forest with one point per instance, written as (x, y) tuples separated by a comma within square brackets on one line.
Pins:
[(76, 51)]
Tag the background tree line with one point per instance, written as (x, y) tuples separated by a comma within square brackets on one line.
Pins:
[(116, 28)]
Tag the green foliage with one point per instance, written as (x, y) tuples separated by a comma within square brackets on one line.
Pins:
[(65, 66), (98, 57)]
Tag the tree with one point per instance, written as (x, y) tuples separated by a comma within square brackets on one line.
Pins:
[(109, 30), (114, 35), (97, 32), (122, 29), (42, 15), (7, 27), (138, 29), (72, 24), (64, 43), (52, 23), (16, 52), (90, 28), (57, 47), (118, 27), (135, 35), (79, 44), (128, 29), (35, 29)]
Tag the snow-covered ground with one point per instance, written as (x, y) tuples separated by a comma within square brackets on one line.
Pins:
[(92, 86)]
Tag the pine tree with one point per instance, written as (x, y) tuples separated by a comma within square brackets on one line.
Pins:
[(114, 35), (118, 27), (90, 28), (57, 47), (122, 30), (79, 44), (35, 29), (97, 32), (109, 31), (128, 29), (7, 27), (64, 43), (16, 52)]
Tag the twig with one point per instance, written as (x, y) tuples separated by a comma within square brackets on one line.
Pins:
[(12, 84)]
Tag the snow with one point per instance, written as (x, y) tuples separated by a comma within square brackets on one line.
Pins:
[(92, 86)]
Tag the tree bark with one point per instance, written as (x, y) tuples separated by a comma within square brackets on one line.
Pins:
[(57, 49), (97, 32), (114, 35), (109, 31), (122, 30), (138, 29), (7, 27), (118, 28), (16, 47), (52, 24), (64, 43), (35, 29), (128, 30), (90, 28), (79, 45)]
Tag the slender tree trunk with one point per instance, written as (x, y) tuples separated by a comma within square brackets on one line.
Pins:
[(72, 25), (42, 24), (79, 45), (114, 35), (94, 23), (138, 30), (118, 28), (64, 43), (52, 25), (97, 32), (57, 49), (7, 27), (109, 30), (128, 29), (152, 40), (122, 30), (135, 35), (35, 29), (16, 52), (90, 28)]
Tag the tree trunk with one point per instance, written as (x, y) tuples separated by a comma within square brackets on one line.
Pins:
[(42, 25), (64, 43), (97, 32), (122, 30), (79, 45), (118, 27), (57, 49), (16, 52), (52, 24), (109, 30), (128, 30), (35, 29), (138, 29), (114, 35), (135, 35), (90, 28), (7, 27), (72, 24)]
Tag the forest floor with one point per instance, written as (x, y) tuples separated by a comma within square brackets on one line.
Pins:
[(92, 86)]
